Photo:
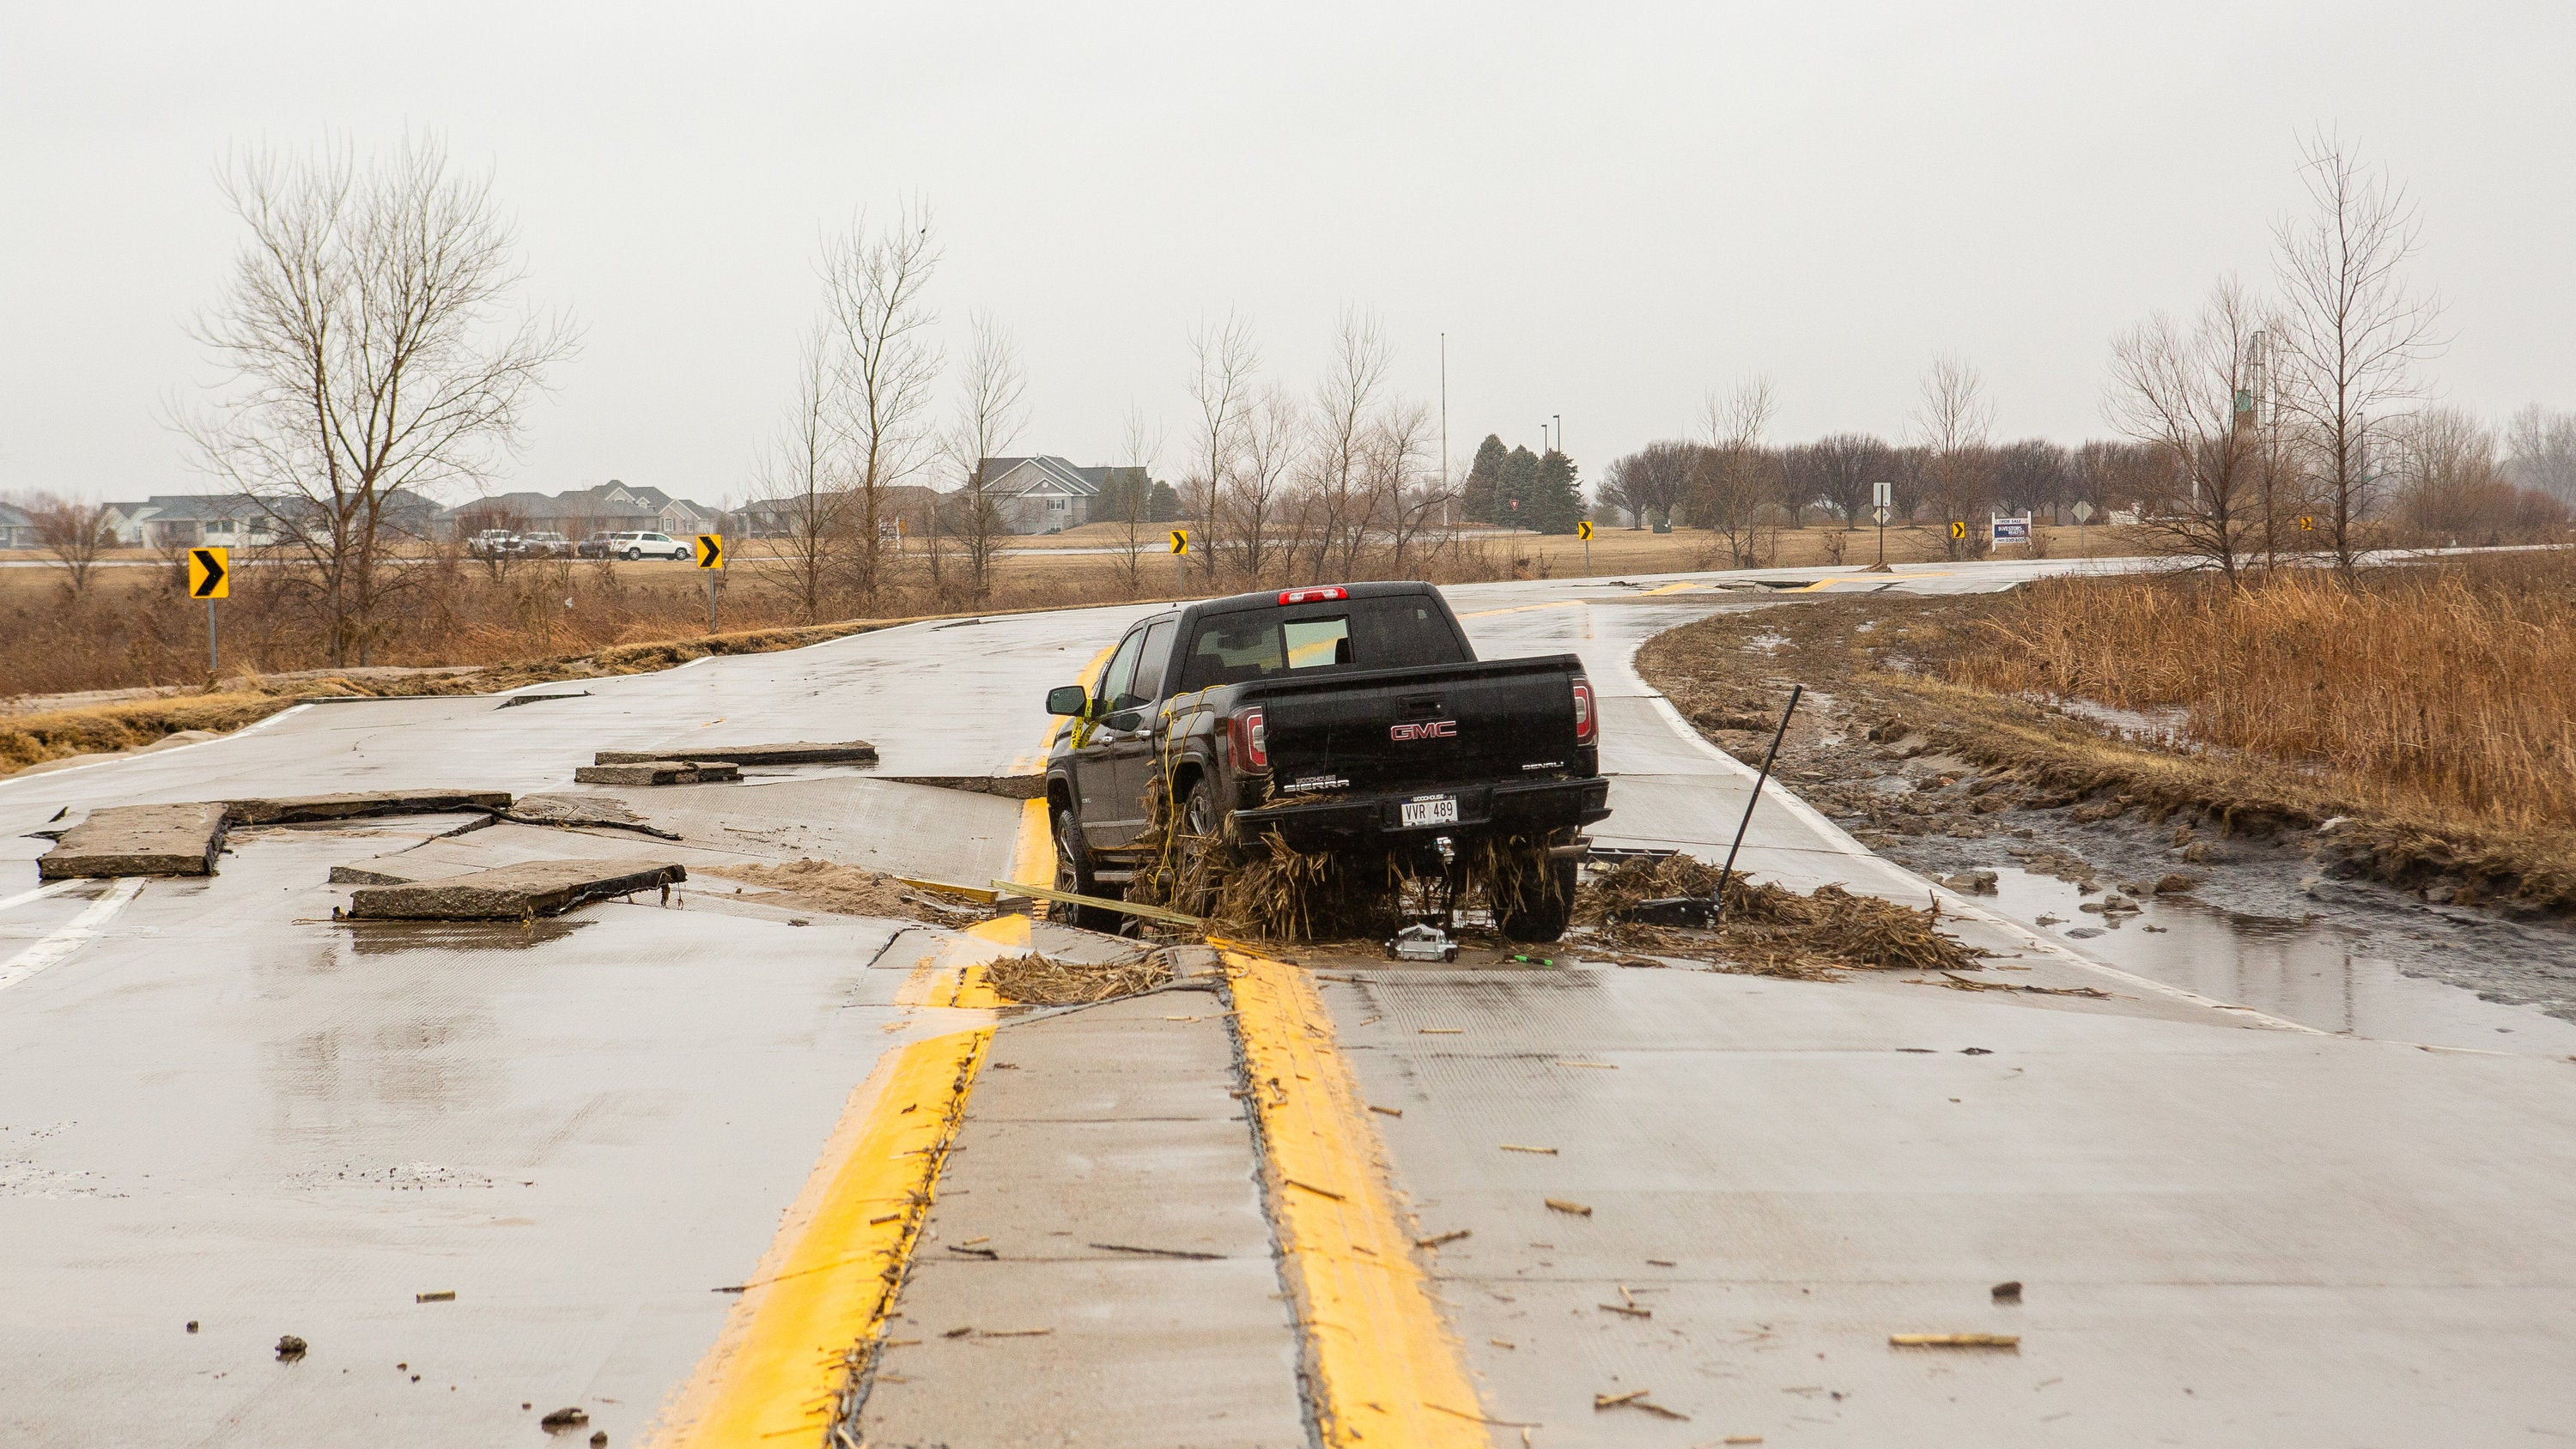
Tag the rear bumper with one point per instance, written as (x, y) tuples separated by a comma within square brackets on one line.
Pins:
[(1534, 807)]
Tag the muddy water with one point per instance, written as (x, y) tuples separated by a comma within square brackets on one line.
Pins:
[(2318, 975)]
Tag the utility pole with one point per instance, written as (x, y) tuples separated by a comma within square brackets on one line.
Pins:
[(1444, 432)]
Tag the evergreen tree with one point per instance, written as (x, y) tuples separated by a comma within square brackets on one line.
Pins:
[(1554, 504), (1512, 500), (1481, 498), (1162, 505)]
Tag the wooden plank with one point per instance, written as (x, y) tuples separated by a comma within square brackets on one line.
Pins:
[(1151, 913)]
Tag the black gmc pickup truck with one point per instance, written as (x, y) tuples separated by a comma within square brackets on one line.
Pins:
[(1354, 720)]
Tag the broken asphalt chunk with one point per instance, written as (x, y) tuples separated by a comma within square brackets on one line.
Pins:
[(848, 752), (659, 772), (512, 892)]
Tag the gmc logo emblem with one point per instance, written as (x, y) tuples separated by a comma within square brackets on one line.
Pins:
[(1438, 729)]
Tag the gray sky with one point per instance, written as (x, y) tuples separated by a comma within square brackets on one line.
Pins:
[(1609, 213)]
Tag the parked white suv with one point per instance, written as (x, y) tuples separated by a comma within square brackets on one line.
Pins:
[(631, 546)]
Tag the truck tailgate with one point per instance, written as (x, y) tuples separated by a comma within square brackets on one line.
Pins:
[(1406, 730)]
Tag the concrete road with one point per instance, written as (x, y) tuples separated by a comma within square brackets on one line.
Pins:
[(218, 1106)]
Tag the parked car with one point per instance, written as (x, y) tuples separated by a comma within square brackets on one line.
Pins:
[(1351, 720), (493, 543), (595, 546), (544, 545), (632, 546)]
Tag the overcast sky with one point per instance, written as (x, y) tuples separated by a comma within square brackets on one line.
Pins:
[(1607, 213)]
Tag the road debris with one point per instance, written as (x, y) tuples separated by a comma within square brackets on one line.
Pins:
[(659, 772), (1516, 1147), (513, 892), (848, 752), (1386, 1111), (582, 812), (290, 1348), (1160, 1252), (2007, 1292), (570, 1417), (1626, 1309), (192, 1325), (849, 890), (443, 1295), (1436, 1239), (1635, 1399), (1040, 980), (1580, 1210), (1766, 930), (1955, 1340)]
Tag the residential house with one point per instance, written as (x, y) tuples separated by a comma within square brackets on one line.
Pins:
[(1048, 494), (610, 507), (238, 520), (17, 529)]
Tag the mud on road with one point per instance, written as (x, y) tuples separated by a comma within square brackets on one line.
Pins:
[(1961, 785)]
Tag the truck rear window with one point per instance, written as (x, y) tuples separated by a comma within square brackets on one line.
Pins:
[(1387, 633)]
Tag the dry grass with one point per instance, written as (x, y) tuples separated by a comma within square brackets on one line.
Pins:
[(2450, 687), (1768, 930), (1037, 980)]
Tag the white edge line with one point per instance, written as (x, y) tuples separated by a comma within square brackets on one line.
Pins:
[(1842, 843), (72, 935), (251, 728), (51, 888)]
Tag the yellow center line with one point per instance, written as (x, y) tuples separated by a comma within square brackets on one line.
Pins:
[(1383, 1366), (824, 1288), (830, 1276)]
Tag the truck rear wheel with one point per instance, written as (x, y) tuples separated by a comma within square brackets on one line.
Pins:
[(1073, 877), (1537, 903)]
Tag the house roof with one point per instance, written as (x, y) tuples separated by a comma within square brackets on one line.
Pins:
[(1045, 473), (12, 516)]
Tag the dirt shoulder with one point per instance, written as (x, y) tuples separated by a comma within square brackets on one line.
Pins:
[(1948, 780)]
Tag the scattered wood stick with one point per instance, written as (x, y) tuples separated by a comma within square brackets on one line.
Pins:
[(1955, 1340)]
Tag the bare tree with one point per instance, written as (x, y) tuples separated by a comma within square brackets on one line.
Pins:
[(1849, 468), (1652, 482), (803, 517), (1954, 419), (888, 367), (2179, 391), (1403, 478), (1131, 495), (1344, 401), (990, 414), (2540, 451), (1274, 435), (77, 534), (368, 353), (1223, 358), (2356, 331), (1731, 482)]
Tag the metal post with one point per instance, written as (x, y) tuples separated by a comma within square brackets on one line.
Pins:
[(214, 665), (711, 601), (1717, 907), (1181, 575)]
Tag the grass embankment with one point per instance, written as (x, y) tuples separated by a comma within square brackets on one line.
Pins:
[(2432, 707), (36, 737)]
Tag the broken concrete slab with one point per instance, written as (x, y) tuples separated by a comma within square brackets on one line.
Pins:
[(579, 811), (658, 772), (1009, 787), (849, 752), (302, 809), (512, 892), (140, 840)]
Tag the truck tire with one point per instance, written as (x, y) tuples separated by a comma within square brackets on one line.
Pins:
[(1073, 876), (1534, 912), (1199, 856)]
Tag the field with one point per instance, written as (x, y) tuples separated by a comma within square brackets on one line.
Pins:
[(132, 628)]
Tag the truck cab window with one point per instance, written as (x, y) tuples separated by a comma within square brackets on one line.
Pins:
[(1149, 667), (1314, 643), (1119, 679)]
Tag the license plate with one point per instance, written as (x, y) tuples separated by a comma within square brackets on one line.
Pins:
[(1439, 810)]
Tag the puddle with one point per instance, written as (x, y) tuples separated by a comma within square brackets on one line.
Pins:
[(2317, 975)]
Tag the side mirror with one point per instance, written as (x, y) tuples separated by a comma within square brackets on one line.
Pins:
[(1069, 699)]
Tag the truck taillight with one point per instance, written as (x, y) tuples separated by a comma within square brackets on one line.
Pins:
[(1586, 725), (1312, 596), (1251, 741)]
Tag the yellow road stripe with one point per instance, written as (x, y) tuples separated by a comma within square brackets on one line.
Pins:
[(1524, 608), (1384, 1368), (824, 1288), (955, 976)]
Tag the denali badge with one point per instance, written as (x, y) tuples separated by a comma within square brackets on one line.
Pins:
[(1438, 729)]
